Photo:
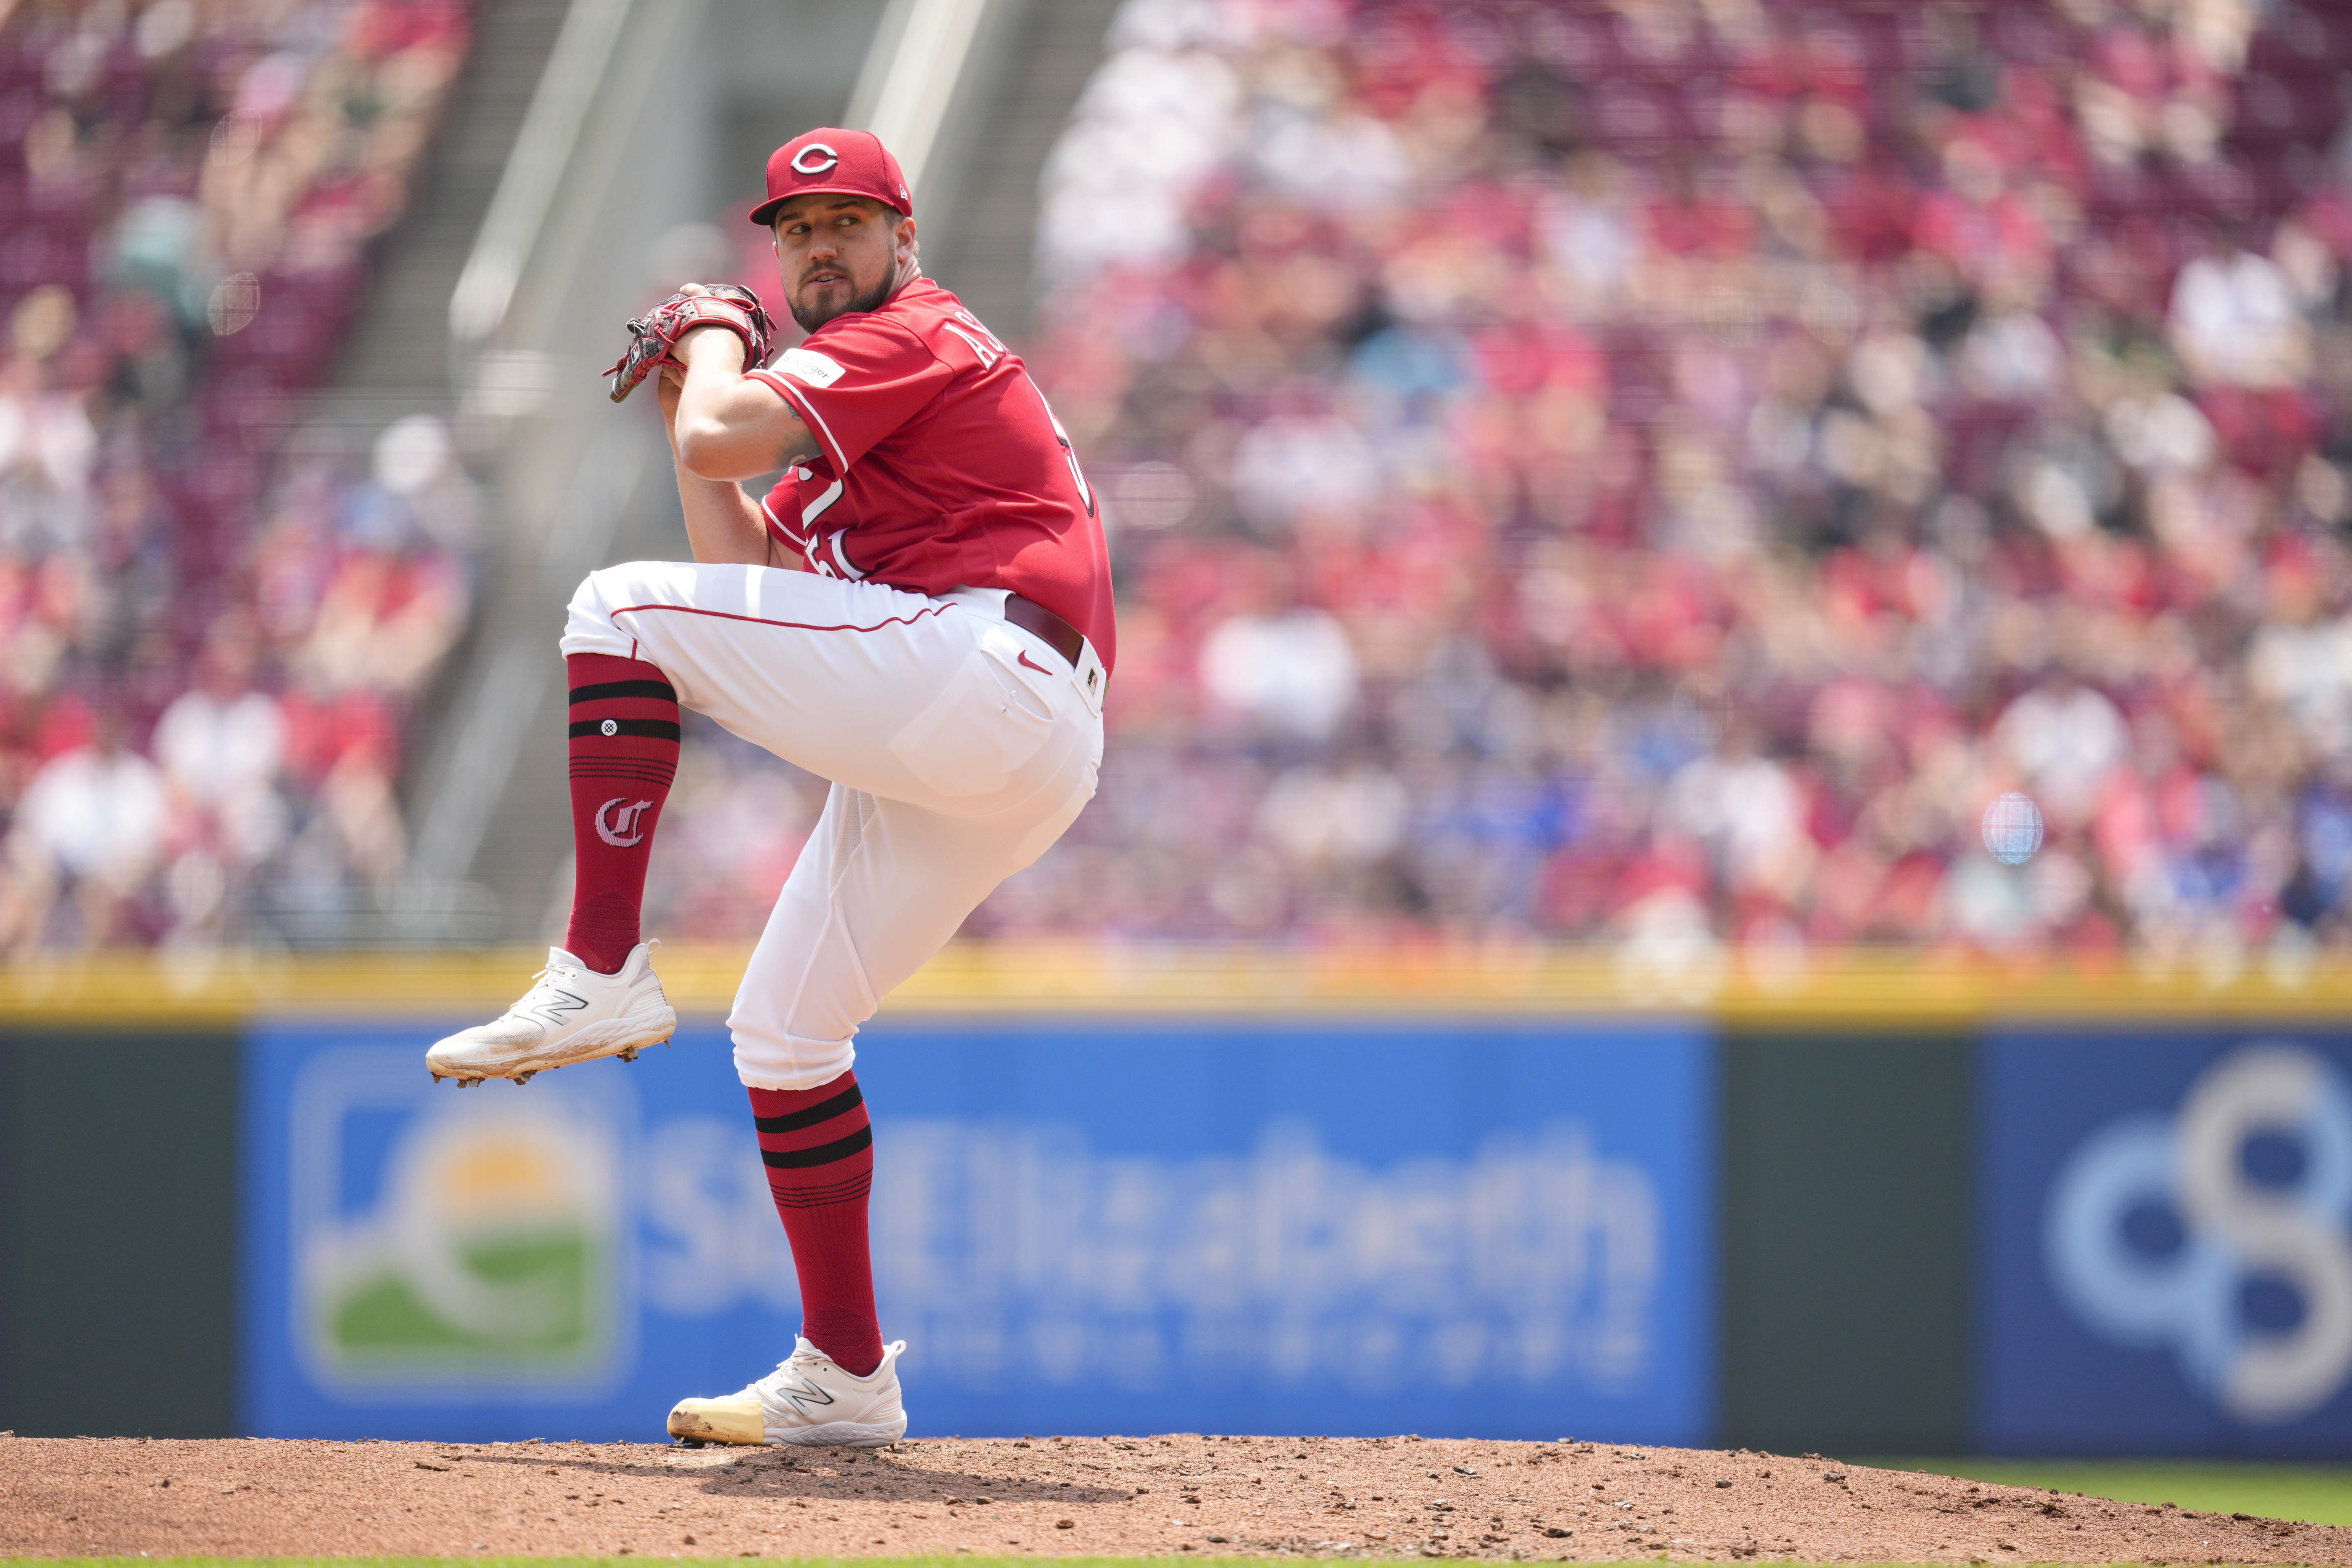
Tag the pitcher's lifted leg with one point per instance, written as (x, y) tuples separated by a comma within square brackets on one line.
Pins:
[(598, 996)]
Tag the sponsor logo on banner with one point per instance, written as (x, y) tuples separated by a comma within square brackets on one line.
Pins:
[(1021, 1254), (1026, 1255), (2222, 1233), (480, 1245), (1363, 1245), (2164, 1224)]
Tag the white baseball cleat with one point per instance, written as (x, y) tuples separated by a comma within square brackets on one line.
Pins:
[(808, 1402), (570, 1014)]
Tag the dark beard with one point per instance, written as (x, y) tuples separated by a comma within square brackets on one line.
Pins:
[(872, 300)]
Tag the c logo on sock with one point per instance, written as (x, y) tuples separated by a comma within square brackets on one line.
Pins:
[(626, 822)]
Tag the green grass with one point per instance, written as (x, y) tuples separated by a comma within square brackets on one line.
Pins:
[(2315, 1494)]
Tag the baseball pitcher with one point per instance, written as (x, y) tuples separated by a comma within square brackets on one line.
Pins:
[(921, 612)]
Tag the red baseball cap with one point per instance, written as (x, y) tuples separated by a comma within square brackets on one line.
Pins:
[(832, 160)]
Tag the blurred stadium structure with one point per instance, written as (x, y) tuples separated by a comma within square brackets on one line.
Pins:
[(1645, 472)]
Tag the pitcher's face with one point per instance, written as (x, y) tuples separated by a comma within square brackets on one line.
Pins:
[(838, 254)]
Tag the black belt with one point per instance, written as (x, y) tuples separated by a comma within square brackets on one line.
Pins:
[(1032, 616)]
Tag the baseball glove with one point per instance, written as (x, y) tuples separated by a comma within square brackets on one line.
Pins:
[(655, 335)]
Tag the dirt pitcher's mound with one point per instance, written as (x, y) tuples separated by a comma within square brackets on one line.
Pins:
[(1378, 1497)]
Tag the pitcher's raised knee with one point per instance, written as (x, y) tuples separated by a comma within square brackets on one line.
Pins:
[(588, 623), (766, 1059)]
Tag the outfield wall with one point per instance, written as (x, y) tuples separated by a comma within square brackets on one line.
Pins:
[(1964, 1211)]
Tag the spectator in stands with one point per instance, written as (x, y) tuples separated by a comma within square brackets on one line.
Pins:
[(85, 842), (220, 745)]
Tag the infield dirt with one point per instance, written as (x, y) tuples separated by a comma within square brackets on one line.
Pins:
[(1380, 1496)]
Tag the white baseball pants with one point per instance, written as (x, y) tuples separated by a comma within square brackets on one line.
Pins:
[(960, 746)]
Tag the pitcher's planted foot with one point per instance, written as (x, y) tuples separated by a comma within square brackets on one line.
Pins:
[(807, 1401)]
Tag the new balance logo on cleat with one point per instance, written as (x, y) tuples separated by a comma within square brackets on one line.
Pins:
[(800, 1393), (556, 1003)]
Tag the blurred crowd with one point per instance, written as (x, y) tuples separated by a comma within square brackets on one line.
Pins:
[(216, 620), (1638, 472), (1653, 471)]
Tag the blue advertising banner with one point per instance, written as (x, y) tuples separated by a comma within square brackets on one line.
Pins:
[(1497, 1230), (2164, 1242)]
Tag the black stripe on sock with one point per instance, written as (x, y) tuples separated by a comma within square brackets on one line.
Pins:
[(823, 1112), (848, 1191), (658, 729), (661, 689), (823, 1155), (649, 773)]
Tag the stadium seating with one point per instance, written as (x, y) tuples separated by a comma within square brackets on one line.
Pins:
[(1638, 472), (214, 629), (1653, 471)]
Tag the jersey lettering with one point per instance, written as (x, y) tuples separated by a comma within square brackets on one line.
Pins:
[(988, 356), (991, 348), (969, 319), (848, 567), (816, 508), (1069, 452)]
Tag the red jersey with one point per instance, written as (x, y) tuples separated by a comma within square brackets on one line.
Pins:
[(943, 465)]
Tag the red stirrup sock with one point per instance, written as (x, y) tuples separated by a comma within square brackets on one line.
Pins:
[(819, 1149), (624, 756)]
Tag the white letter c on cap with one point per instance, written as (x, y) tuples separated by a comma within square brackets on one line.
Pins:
[(826, 158)]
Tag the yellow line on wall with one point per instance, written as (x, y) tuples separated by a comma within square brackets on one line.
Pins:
[(1850, 989)]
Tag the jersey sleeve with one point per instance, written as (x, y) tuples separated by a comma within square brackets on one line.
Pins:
[(851, 386)]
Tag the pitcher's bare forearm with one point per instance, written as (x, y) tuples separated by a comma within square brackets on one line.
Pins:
[(722, 523), (730, 427)]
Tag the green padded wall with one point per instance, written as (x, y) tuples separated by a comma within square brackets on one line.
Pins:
[(117, 1232), (1844, 1235)]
